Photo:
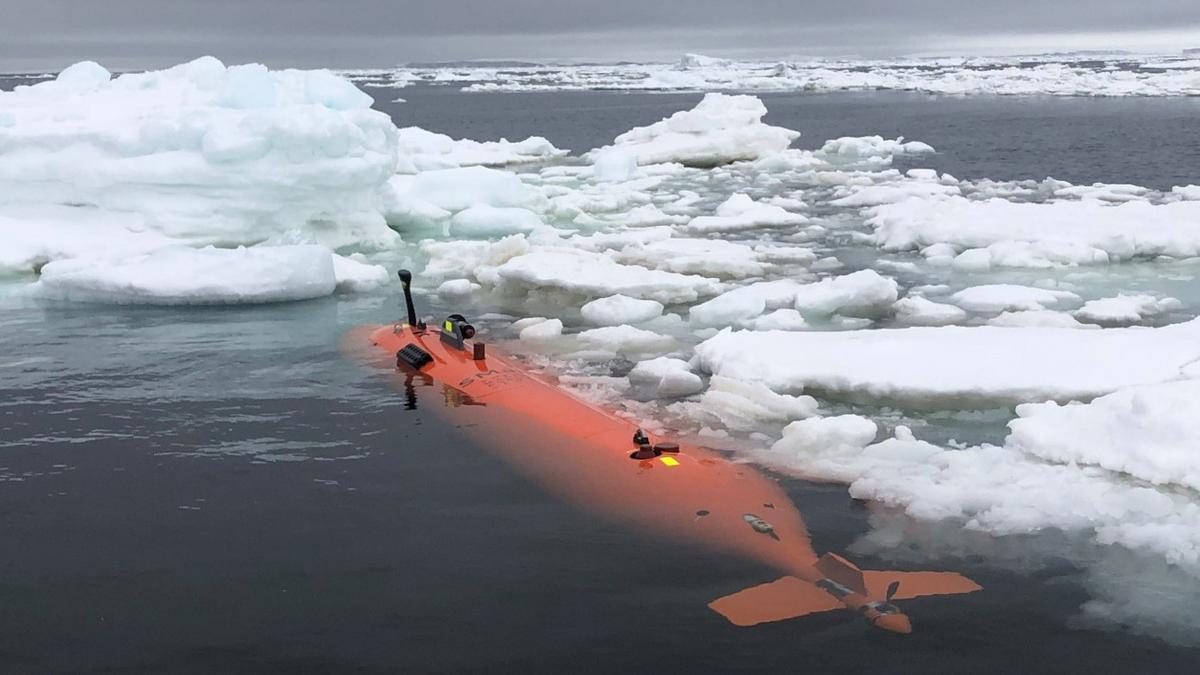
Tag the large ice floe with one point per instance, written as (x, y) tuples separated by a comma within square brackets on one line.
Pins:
[(957, 366), (842, 313), (105, 178)]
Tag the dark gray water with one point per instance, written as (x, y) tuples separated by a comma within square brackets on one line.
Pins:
[(219, 490), (1145, 141)]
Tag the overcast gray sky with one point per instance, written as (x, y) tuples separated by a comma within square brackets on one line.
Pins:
[(48, 34)]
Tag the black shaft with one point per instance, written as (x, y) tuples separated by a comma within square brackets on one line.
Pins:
[(405, 281)]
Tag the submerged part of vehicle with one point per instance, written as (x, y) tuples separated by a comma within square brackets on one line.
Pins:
[(672, 489)]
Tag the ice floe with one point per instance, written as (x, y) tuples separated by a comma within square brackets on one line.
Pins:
[(1125, 309), (722, 128), (199, 153), (421, 150), (956, 366), (1025, 234), (615, 310), (183, 276)]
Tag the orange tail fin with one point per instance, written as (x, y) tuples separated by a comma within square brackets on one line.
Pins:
[(917, 584), (782, 599)]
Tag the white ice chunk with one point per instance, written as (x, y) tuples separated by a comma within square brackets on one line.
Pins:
[(918, 311), (615, 310), (825, 446), (489, 221), (1010, 297), (187, 276), (1148, 432), (740, 212), (653, 370), (355, 275), (862, 292), (1060, 232), (722, 128), (592, 274), (455, 288), (458, 189), (1125, 309), (202, 153), (545, 329), (422, 150), (1044, 318), (626, 340), (746, 405), (679, 383), (744, 303)]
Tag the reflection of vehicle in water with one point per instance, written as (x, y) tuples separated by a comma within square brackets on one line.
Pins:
[(607, 464)]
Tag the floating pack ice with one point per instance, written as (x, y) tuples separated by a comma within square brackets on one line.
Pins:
[(198, 154)]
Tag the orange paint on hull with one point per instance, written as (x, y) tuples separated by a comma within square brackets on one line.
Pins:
[(583, 454)]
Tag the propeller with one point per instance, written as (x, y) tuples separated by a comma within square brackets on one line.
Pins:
[(891, 590)]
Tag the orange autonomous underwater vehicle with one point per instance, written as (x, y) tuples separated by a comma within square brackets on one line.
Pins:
[(607, 464)]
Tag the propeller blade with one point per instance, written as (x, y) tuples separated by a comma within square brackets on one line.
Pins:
[(891, 590)]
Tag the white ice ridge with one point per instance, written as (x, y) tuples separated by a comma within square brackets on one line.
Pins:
[(198, 153), (722, 128), (1021, 234), (955, 366), (208, 276), (1059, 75), (422, 150)]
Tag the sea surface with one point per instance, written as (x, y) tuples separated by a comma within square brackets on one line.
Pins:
[(221, 490)]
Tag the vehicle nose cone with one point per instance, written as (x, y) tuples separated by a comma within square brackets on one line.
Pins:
[(895, 623)]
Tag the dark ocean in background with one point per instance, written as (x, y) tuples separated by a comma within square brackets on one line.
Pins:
[(220, 490)]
